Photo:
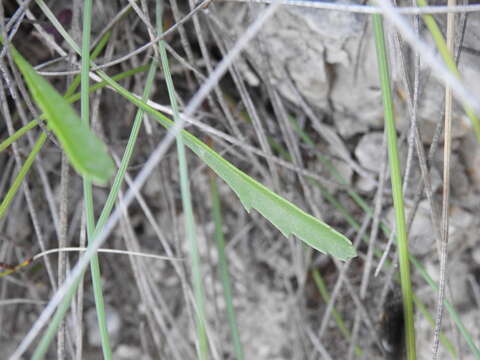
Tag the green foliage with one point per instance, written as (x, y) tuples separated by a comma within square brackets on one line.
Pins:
[(284, 215), (86, 152)]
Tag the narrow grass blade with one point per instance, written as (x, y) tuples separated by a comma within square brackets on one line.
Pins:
[(197, 278), (87, 184), (322, 288), (402, 238), (21, 174), (222, 261), (17, 135), (443, 339)]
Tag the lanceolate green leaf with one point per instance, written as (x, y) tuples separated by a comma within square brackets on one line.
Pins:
[(288, 218), (86, 152)]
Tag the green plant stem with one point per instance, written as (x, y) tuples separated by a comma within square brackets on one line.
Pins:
[(17, 135), (21, 174), (186, 202), (87, 185), (443, 339), (402, 239), (322, 288), (222, 262)]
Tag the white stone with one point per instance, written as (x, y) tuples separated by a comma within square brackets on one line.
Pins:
[(421, 238), (369, 151), (127, 352), (114, 324)]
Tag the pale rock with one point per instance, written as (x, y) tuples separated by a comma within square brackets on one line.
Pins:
[(369, 151), (458, 275), (114, 324), (476, 255), (460, 220), (365, 184), (471, 157), (348, 126), (421, 238), (459, 182), (128, 352), (332, 62), (298, 44)]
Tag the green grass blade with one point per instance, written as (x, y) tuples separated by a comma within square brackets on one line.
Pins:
[(222, 262), (86, 152), (402, 238), (21, 174), (87, 184), (456, 318), (197, 278), (322, 288), (17, 135), (50, 333), (443, 339)]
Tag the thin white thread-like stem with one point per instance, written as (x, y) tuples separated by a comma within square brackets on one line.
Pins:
[(106, 251), (367, 9)]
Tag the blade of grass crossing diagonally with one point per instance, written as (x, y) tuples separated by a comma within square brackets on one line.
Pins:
[(17, 135), (402, 238), (222, 261), (21, 174), (198, 288), (87, 184)]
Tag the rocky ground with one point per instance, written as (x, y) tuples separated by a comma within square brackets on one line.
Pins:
[(304, 94)]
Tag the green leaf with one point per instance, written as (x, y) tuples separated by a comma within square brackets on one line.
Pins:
[(285, 216), (86, 152)]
